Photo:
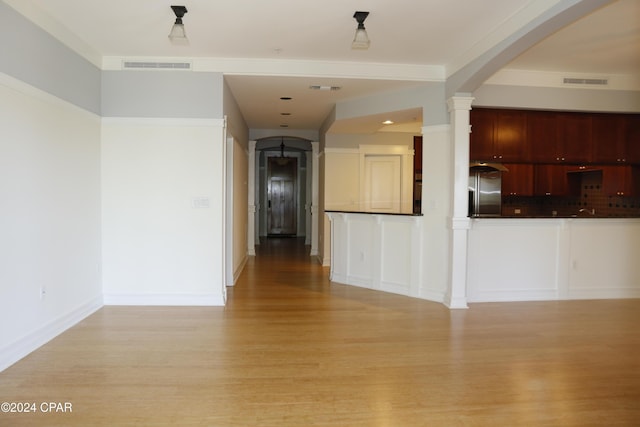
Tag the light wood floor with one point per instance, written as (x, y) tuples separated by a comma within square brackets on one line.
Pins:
[(291, 349)]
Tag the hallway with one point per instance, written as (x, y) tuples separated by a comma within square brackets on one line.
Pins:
[(291, 349)]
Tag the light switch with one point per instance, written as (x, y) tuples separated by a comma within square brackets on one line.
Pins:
[(201, 203)]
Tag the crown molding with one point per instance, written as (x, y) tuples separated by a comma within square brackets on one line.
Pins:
[(296, 68), (513, 77)]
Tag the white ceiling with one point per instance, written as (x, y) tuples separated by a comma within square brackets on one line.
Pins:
[(432, 37)]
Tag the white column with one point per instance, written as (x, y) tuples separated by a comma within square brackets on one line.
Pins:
[(315, 188), (459, 107), (251, 218)]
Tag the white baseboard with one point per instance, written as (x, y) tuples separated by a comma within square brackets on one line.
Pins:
[(164, 299), (22, 347), (238, 271)]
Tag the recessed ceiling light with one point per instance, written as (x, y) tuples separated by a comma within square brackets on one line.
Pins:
[(388, 122), (286, 98)]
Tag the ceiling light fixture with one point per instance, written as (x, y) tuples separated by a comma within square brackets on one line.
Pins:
[(361, 39), (177, 34), (388, 122)]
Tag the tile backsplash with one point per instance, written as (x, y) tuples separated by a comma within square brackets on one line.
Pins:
[(591, 200)]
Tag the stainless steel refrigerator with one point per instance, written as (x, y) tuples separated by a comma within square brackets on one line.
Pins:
[(485, 191)]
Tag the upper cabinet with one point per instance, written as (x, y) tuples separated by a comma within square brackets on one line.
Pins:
[(542, 136), (608, 138), (498, 135), (521, 136), (482, 138), (574, 138), (511, 142), (632, 137)]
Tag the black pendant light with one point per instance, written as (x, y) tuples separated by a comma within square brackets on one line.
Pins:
[(178, 34), (361, 39)]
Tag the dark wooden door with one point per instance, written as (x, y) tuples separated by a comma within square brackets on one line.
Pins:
[(281, 188)]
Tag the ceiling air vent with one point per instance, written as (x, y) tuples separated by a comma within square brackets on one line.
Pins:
[(575, 81), (140, 65), (327, 88)]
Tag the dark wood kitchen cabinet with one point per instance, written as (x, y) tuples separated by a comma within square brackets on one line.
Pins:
[(609, 138), (559, 137), (621, 180), (632, 137), (550, 180), (498, 135), (518, 180), (542, 135), (574, 138), (483, 123)]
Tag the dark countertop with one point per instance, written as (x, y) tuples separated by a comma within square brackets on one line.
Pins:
[(372, 213), (561, 217)]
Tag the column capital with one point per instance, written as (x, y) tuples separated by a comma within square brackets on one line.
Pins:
[(460, 103)]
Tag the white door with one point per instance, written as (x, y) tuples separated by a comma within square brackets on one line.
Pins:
[(382, 183)]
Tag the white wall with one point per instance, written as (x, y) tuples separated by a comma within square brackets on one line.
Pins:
[(436, 209), (342, 188), (163, 207), (240, 208), (49, 217)]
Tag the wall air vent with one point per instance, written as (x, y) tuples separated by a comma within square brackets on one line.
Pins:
[(142, 65), (575, 81)]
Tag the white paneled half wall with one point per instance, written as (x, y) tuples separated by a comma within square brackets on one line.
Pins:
[(376, 251)]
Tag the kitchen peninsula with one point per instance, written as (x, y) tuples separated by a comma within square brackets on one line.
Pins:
[(569, 225)]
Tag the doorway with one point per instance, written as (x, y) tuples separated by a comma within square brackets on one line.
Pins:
[(281, 196)]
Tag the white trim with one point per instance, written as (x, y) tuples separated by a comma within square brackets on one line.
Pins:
[(296, 68), (208, 299), (332, 150), (385, 149), (531, 78), (31, 342), (163, 121), (238, 271)]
